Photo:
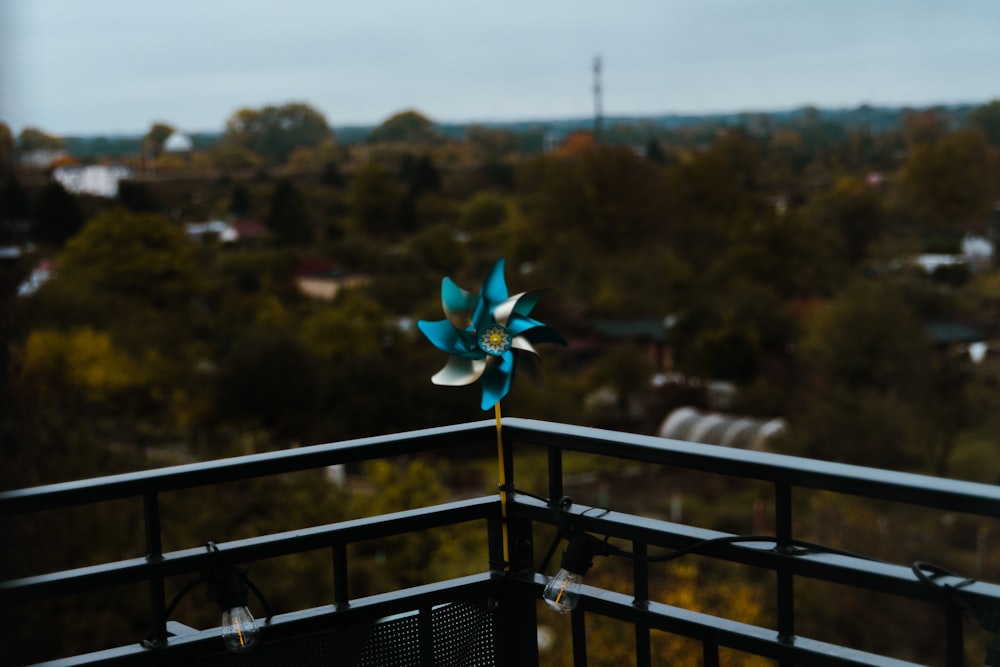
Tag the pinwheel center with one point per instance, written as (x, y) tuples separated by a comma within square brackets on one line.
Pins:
[(495, 340)]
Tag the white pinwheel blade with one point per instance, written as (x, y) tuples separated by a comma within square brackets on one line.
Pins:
[(459, 371)]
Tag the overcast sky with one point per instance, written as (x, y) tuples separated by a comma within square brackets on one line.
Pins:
[(117, 66)]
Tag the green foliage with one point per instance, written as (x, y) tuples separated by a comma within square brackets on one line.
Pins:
[(867, 338), (7, 147), (135, 256), (490, 145), (152, 143), (851, 214), (413, 558), (273, 132), (55, 365), (487, 210), (270, 380), (137, 197), (409, 127), (951, 182), (33, 139), (987, 119), (58, 216), (239, 201), (14, 202), (375, 199), (290, 220)]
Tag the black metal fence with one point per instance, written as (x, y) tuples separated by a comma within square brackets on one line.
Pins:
[(490, 618)]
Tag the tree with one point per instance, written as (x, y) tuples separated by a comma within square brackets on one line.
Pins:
[(951, 182), (486, 210), (137, 197), (58, 216), (409, 127), (14, 202), (289, 219), (375, 199), (239, 201), (133, 256), (869, 395), (152, 143), (275, 131), (409, 559), (82, 365), (270, 380), (489, 145), (420, 175), (6, 148), (987, 119), (34, 139), (924, 127), (852, 211)]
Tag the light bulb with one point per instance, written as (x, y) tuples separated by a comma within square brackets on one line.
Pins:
[(239, 630), (562, 593)]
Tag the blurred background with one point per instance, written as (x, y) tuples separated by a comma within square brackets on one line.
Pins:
[(768, 225)]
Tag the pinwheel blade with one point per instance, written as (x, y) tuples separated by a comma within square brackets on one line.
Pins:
[(496, 380), (519, 304), (447, 338), (457, 304), (459, 371), (495, 287)]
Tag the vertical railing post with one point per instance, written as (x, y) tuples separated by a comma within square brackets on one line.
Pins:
[(954, 635), (785, 580), (578, 623), (710, 654), (516, 620), (341, 596), (154, 553), (640, 586), (555, 474)]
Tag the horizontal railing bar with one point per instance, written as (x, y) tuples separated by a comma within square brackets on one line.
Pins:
[(947, 494), (298, 623), (725, 632), (910, 488), (193, 560), (203, 473), (856, 571)]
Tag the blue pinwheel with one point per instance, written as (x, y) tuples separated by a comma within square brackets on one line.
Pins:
[(486, 334)]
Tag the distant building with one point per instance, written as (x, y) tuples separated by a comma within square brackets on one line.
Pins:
[(226, 232), (712, 428), (44, 158), (323, 280), (95, 179), (216, 230), (178, 142), (38, 277)]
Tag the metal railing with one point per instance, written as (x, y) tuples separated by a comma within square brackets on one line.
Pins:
[(509, 586)]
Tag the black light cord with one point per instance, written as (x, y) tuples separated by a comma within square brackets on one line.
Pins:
[(989, 619), (603, 547), (208, 577)]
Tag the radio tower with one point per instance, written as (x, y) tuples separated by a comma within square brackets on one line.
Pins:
[(598, 111)]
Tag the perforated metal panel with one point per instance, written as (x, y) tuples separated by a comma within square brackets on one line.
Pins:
[(461, 635)]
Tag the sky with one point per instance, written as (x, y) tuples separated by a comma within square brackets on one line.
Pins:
[(80, 67)]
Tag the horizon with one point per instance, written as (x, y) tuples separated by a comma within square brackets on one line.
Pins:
[(542, 121), (111, 67)]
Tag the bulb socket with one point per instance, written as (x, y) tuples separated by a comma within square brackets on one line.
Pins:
[(579, 554), (230, 591)]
